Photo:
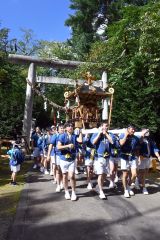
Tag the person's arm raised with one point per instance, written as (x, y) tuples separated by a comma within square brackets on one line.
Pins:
[(123, 140), (109, 138), (80, 137), (95, 140)]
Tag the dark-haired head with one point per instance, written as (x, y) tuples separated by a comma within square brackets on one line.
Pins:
[(68, 124), (131, 126)]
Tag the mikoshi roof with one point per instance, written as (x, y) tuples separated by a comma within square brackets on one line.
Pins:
[(85, 92)]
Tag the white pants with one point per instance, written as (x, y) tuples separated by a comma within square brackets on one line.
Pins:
[(144, 163), (88, 162), (53, 159), (67, 166), (127, 165), (36, 152), (15, 168), (100, 165)]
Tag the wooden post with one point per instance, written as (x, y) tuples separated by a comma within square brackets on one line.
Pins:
[(110, 110), (27, 120), (105, 101)]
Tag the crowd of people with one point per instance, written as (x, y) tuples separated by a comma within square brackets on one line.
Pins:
[(59, 150)]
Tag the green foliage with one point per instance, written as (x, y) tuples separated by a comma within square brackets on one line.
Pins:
[(115, 10), (55, 93), (3, 39), (131, 55), (12, 90), (91, 19), (27, 45), (81, 24), (12, 93), (56, 50)]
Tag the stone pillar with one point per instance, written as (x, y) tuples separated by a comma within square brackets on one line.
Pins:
[(105, 101), (27, 120)]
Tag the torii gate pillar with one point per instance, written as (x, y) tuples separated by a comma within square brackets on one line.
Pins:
[(27, 121)]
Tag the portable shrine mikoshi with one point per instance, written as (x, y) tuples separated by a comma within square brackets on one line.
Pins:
[(84, 103)]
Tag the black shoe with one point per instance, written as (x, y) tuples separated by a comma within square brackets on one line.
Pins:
[(14, 183)]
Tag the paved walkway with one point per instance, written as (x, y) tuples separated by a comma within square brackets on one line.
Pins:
[(43, 214)]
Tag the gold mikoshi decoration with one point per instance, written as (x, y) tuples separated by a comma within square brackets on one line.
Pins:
[(66, 94), (111, 90)]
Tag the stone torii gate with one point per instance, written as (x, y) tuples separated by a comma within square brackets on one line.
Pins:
[(33, 62)]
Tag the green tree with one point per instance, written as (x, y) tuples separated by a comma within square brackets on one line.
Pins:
[(12, 87), (27, 45), (91, 19), (81, 23), (131, 55), (55, 93)]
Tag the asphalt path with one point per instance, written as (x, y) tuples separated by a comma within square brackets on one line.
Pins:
[(43, 214)]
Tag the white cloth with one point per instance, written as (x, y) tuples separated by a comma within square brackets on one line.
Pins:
[(53, 159), (15, 168), (58, 160), (100, 165), (36, 152), (144, 163), (67, 166), (89, 162), (127, 165), (114, 160)]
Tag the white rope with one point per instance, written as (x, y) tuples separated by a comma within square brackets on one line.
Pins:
[(54, 105)]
